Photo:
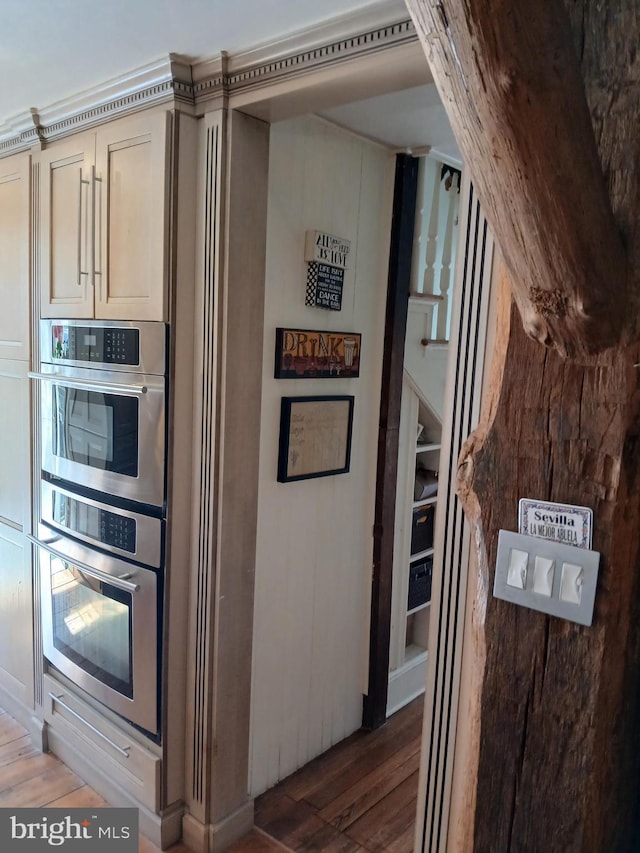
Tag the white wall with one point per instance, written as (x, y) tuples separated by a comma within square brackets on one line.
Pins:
[(314, 542)]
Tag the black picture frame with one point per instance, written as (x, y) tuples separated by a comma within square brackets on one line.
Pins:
[(315, 436)]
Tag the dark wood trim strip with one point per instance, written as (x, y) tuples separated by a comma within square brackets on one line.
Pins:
[(402, 228)]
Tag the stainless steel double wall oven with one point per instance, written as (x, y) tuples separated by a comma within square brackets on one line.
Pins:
[(103, 508)]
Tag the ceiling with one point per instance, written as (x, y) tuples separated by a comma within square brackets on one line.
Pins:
[(407, 120), (52, 49)]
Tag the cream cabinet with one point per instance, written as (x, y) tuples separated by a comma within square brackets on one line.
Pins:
[(104, 222), (15, 480), (16, 618), (16, 631), (15, 254)]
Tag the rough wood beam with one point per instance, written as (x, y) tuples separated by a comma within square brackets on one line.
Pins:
[(513, 90), (555, 718)]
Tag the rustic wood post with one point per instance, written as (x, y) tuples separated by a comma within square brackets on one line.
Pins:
[(557, 765), (514, 94)]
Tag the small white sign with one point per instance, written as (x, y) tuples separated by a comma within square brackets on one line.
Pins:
[(557, 522), (326, 249)]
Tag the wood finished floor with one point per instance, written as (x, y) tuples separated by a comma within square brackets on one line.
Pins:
[(358, 796)]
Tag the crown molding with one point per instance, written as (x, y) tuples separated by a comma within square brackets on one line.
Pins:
[(167, 80), (213, 83), (321, 56), (20, 133), (375, 28)]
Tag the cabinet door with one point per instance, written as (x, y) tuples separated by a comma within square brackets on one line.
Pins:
[(15, 220), (132, 187), (16, 622), (16, 634), (67, 228), (15, 470)]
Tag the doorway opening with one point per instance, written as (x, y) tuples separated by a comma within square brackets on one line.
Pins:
[(312, 659)]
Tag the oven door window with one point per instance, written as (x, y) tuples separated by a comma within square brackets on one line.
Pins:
[(96, 429), (92, 625)]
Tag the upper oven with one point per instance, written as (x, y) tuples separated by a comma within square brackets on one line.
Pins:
[(103, 406)]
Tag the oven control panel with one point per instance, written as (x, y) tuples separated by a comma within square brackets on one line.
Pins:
[(95, 345), (125, 346), (101, 525), (121, 531)]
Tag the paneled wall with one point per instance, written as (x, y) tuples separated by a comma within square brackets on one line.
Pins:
[(314, 541)]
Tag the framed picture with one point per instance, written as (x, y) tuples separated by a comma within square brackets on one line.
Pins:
[(315, 437), (310, 354)]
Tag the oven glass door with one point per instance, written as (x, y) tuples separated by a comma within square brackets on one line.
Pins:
[(96, 429), (104, 433), (99, 628), (92, 625)]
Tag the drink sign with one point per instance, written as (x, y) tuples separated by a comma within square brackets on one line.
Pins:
[(310, 354), (564, 523)]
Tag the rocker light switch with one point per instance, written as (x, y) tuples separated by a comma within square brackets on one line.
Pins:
[(571, 583), (517, 572), (543, 572), (549, 576)]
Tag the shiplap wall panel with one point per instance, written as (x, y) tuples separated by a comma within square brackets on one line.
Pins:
[(314, 547)]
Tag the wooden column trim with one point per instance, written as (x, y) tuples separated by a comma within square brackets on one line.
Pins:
[(227, 393), (404, 204)]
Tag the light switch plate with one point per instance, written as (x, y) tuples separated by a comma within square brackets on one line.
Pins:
[(561, 555)]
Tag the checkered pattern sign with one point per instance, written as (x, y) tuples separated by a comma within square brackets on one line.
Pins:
[(324, 286), (312, 283)]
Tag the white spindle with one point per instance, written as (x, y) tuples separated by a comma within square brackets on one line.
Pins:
[(418, 229), (442, 330), (432, 236)]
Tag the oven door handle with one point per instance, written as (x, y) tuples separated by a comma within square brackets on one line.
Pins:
[(90, 385), (119, 581)]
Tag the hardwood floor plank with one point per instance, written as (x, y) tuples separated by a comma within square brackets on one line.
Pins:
[(330, 840), (16, 750), (79, 798), (254, 842), (43, 789), (297, 825), (401, 844), (381, 822), (146, 846), (30, 768), (407, 723), (270, 804), (10, 730), (291, 822), (371, 789), (358, 797), (329, 790)]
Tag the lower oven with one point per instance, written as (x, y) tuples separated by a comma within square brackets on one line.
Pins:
[(100, 622)]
